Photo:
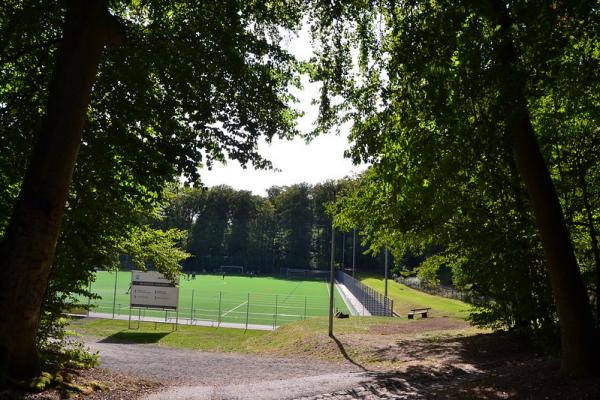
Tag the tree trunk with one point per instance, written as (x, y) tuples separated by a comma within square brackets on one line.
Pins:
[(27, 248), (573, 307)]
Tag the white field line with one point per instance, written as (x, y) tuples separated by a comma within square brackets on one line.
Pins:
[(234, 308)]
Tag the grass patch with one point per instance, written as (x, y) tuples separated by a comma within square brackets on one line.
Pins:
[(224, 339), (188, 337), (356, 338), (406, 298)]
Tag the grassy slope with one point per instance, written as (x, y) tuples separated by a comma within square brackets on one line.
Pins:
[(406, 298), (299, 339), (359, 336), (224, 339)]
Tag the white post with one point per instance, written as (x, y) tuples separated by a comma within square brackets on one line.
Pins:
[(115, 294), (192, 310)]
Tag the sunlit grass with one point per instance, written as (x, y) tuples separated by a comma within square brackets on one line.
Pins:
[(406, 298), (186, 336)]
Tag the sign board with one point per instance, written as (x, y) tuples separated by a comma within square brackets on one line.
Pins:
[(151, 289)]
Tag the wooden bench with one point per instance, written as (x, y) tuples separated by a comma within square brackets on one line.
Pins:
[(422, 311)]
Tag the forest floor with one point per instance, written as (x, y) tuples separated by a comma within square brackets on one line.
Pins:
[(434, 358)]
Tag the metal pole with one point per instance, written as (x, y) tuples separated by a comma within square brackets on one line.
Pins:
[(192, 311), (331, 280), (385, 287), (247, 309), (353, 251), (343, 250), (304, 307), (219, 315), (275, 316), (89, 298), (115, 294)]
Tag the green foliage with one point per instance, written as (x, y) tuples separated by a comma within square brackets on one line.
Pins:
[(294, 220), (42, 382), (60, 355), (424, 96), (157, 248), (195, 82), (289, 228), (428, 270), (210, 227)]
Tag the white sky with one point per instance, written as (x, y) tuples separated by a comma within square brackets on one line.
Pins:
[(298, 162)]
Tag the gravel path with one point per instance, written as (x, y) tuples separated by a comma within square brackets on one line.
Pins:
[(192, 374)]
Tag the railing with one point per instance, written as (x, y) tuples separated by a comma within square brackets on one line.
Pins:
[(375, 302), (448, 292)]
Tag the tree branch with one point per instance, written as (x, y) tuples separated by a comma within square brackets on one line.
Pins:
[(14, 57)]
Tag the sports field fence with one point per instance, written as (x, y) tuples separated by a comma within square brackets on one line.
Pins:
[(375, 302), (202, 307), (448, 292)]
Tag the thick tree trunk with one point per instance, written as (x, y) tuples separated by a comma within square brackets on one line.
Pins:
[(573, 307), (27, 248)]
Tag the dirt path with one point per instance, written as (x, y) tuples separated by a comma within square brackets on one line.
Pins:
[(484, 366), (205, 375), (426, 359)]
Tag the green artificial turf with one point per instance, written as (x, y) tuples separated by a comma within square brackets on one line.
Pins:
[(258, 300)]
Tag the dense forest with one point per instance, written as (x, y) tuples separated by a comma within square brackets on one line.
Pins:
[(289, 228)]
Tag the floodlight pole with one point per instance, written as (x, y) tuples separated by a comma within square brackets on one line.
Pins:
[(353, 251), (385, 286), (311, 199), (331, 280), (343, 264)]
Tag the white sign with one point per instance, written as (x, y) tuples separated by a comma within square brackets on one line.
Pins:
[(151, 289)]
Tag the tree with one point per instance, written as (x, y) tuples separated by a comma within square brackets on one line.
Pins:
[(459, 77), (181, 207), (210, 229), (294, 222), (242, 213), (187, 82)]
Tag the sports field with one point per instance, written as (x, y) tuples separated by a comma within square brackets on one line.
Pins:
[(239, 299)]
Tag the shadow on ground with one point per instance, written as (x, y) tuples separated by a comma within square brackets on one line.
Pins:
[(345, 353), (486, 366), (135, 337)]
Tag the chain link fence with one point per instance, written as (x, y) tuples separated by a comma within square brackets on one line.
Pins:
[(375, 302), (448, 292), (211, 306)]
